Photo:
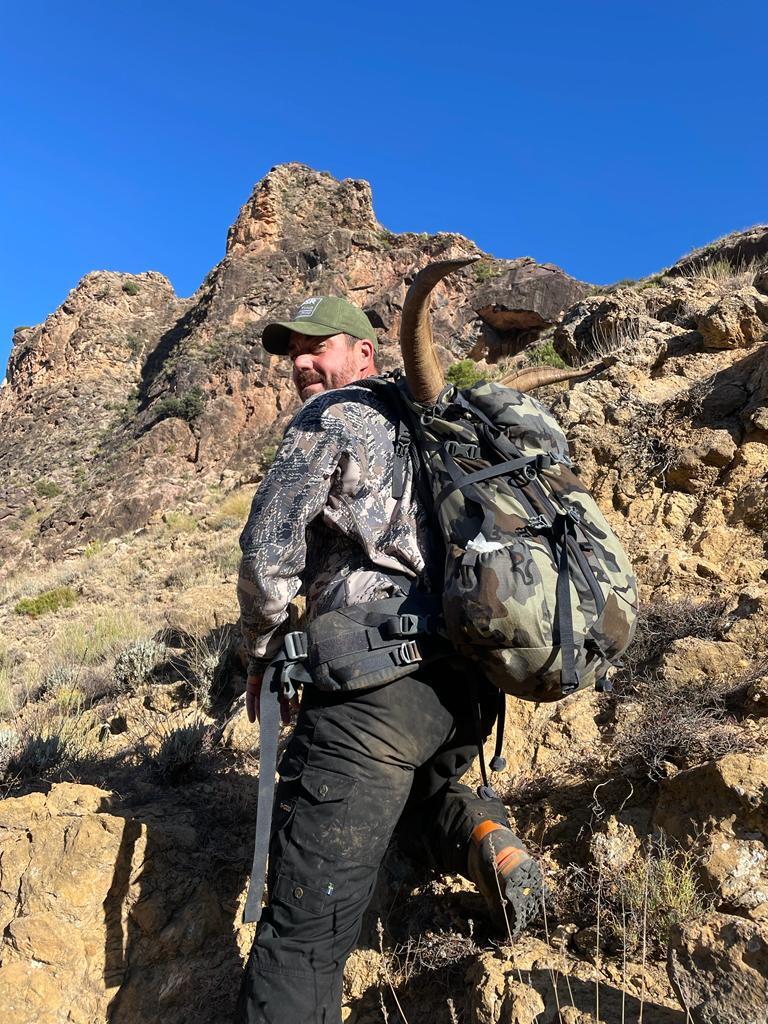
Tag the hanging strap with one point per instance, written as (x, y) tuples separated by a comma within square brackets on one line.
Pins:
[(569, 677), (269, 729), (279, 681), (499, 763)]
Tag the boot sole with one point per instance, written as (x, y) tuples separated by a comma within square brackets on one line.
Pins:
[(523, 893)]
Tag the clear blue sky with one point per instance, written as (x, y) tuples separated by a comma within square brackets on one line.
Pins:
[(606, 137)]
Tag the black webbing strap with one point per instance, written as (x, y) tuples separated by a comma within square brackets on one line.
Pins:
[(498, 763), (269, 730), (460, 480), (485, 790), (569, 678), (402, 450)]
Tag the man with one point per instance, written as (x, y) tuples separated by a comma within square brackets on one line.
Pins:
[(325, 521)]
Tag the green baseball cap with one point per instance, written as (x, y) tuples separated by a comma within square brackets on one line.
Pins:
[(318, 317)]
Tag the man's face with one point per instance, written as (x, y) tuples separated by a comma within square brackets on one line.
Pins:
[(320, 364)]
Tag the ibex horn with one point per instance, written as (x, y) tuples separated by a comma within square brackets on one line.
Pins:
[(422, 370), (531, 377)]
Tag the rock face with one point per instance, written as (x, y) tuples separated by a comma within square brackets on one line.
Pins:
[(718, 810), (108, 916), (738, 249), (718, 966), (141, 398)]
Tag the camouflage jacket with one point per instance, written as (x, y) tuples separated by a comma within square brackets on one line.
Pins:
[(324, 522)]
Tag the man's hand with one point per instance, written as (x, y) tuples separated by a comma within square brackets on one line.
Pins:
[(253, 695)]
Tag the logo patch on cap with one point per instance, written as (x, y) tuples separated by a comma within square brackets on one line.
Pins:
[(307, 308)]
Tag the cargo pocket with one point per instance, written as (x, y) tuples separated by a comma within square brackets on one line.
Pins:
[(320, 814)]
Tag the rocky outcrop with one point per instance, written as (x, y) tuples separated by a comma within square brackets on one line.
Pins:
[(739, 249), (719, 811), (142, 399), (718, 966), (520, 299), (109, 915)]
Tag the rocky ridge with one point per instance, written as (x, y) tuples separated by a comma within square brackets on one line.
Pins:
[(98, 379), (128, 765)]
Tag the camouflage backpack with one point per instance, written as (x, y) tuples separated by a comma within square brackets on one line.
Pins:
[(537, 588)]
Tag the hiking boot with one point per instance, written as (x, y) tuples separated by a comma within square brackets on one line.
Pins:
[(507, 875)]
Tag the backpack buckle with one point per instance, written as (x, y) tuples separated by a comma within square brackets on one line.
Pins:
[(408, 653), (295, 645), (536, 525)]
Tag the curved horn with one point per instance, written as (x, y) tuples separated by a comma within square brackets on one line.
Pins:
[(537, 376), (422, 370)]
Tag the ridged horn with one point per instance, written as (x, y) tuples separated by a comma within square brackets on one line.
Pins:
[(422, 370), (531, 377)]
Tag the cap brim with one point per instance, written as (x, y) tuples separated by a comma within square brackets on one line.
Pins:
[(275, 336)]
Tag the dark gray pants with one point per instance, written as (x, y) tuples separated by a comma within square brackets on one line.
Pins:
[(353, 766)]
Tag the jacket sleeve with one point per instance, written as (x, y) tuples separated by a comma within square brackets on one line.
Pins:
[(292, 494)]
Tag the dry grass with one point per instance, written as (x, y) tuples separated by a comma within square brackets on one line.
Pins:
[(660, 720), (49, 743), (7, 702), (94, 640), (726, 275), (232, 512), (607, 338), (636, 904)]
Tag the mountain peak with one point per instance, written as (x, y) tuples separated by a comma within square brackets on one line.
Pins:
[(294, 202)]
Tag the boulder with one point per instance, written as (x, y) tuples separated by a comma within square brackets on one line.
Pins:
[(520, 300), (719, 811), (740, 248), (718, 966), (107, 914), (737, 320)]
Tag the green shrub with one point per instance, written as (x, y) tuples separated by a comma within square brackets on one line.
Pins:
[(188, 407), (135, 344), (485, 271), (233, 511), (464, 373), (47, 489), (268, 454), (134, 665), (48, 601), (544, 355), (641, 901), (131, 288)]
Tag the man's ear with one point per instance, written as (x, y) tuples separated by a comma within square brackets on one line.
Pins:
[(367, 355)]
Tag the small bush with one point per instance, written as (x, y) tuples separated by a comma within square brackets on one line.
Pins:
[(204, 655), (188, 407), (93, 548), (7, 704), (464, 374), (268, 454), (684, 724), (9, 741), (131, 288), (135, 344), (48, 746), (134, 665), (180, 522), (49, 601), (233, 511), (661, 623), (485, 271), (641, 901), (47, 489), (544, 355), (173, 753)]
